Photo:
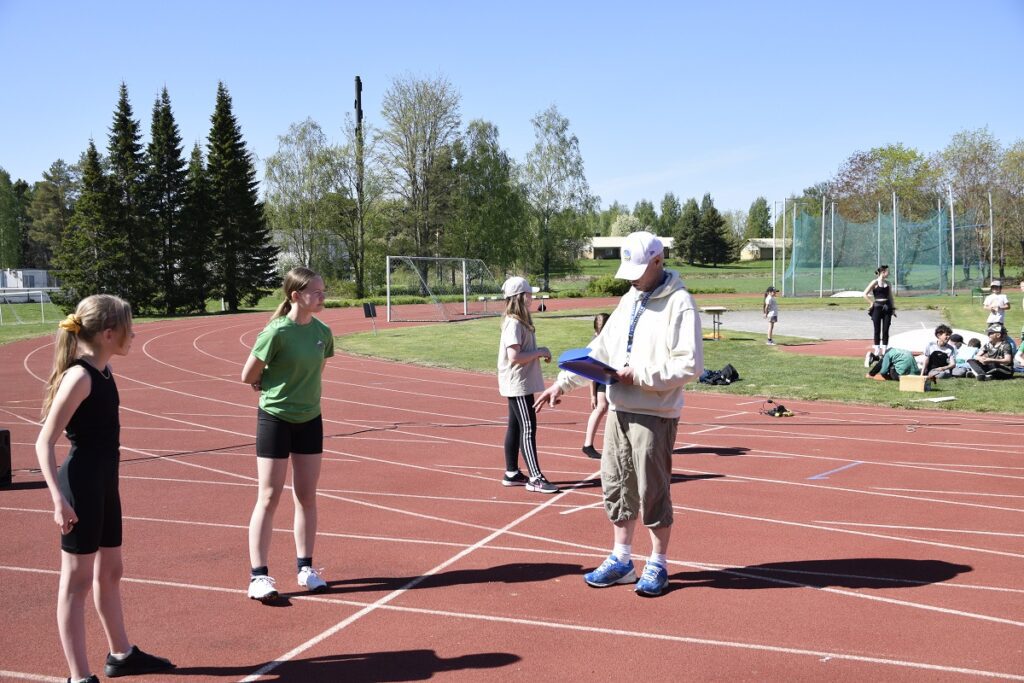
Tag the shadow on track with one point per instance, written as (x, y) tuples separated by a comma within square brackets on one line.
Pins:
[(400, 665), (518, 572), (865, 572)]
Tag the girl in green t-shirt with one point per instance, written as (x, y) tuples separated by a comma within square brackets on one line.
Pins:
[(286, 366)]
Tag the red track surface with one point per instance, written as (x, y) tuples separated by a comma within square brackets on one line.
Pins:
[(845, 543)]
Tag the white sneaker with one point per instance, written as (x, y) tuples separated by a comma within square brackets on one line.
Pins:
[(262, 588), (310, 579), (869, 358)]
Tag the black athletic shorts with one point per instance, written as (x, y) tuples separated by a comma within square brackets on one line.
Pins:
[(276, 438), (97, 502)]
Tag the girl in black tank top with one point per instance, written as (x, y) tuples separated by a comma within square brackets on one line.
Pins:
[(883, 307), (82, 401)]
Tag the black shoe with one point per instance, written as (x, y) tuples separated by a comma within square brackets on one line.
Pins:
[(517, 479), (591, 452), (983, 378), (137, 662)]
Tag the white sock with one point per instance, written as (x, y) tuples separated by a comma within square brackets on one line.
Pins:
[(623, 552), (122, 655), (874, 350), (657, 559), (512, 473)]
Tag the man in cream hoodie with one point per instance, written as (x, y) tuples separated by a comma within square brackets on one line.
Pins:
[(654, 337)]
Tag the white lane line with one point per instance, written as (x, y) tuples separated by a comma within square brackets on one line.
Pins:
[(853, 532), (579, 628), (17, 675), (919, 528), (954, 493), (957, 464), (344, 623), (574, 510)]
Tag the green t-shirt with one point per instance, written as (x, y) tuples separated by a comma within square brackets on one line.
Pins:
[(294, 355)]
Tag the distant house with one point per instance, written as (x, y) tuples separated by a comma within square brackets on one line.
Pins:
[(760, 248), (24, 279), (611, 247)]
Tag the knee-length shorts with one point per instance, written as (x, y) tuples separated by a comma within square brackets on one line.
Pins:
[(636, 468)]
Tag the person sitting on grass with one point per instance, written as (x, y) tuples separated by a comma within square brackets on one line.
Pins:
[(964, 353), (996, 359), (894, 364), (939, 355)]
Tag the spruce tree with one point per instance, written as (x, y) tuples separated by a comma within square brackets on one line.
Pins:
[(713, 243), (53, 201), (134, 263), (196, 235), (83, 256), (165, 196), (10, 239), (244, 258), (687, 232)]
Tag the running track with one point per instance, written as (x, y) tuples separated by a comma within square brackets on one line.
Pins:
[(845, 543)]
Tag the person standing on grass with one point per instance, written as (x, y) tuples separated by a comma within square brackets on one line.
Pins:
[(519, 378), (82, 401), (996, 304), (598, 401), (771, 312), (883, 307), (654, 335), (286, 366)]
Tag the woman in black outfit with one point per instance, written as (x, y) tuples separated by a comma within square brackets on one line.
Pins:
[(880, 295)]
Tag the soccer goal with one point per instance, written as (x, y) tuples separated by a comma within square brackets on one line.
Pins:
[(427, 289), (23, 306)]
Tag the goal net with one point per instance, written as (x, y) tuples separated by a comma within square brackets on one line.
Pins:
[(24, 306), (425, 289)]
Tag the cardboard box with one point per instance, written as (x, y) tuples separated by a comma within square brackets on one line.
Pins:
[(916, 383)]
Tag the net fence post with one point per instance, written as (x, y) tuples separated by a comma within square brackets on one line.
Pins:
[(465, 290), (387, 285)]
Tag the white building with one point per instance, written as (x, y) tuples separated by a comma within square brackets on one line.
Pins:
[(611, 247), (760, 248), (24, 279)]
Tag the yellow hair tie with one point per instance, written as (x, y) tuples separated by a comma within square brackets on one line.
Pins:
[(72, 324)]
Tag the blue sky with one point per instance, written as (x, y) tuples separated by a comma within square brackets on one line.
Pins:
[(738, 99)]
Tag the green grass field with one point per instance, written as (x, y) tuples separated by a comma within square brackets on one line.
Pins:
[(765, 370)]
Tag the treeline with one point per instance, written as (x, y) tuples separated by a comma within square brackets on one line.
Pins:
[(421, 184), (142, 223)]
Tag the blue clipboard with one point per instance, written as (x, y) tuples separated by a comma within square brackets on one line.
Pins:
[(579, 362)]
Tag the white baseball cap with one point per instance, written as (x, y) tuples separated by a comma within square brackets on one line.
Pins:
[(517, 285), (995, 283), (638, 249)]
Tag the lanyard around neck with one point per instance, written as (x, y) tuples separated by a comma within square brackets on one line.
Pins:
[(639, 306)]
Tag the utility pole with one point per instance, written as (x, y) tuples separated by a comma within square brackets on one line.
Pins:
[(359, 180)]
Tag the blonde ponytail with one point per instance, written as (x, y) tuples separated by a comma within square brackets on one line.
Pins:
[(295, 280), (93, 315)]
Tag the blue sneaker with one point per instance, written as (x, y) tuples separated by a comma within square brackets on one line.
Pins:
[(610, 573), (653, 581)]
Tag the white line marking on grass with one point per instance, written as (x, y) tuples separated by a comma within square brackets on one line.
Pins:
[(578, 628), (344, 623), (919, 528)]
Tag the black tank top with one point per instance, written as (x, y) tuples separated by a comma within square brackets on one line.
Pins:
[(95, 429), (881, 294)]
